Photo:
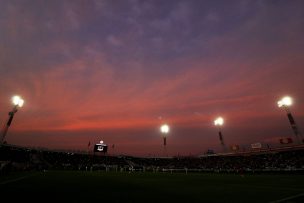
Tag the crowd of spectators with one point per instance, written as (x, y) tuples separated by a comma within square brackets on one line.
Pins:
[(13, 158), (274, 161)]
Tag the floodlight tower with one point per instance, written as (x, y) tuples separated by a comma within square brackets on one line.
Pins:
[(18, 102), (285, 103), (164, 129), (219, 122)]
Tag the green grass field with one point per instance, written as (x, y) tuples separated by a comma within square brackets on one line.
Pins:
[(72, 186)]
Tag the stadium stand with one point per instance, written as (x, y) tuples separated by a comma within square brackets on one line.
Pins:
[(16, 158)]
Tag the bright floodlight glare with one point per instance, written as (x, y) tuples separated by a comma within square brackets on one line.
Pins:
[(164, 128), (18, 101), (219, 121), (21, 102), (286, 101)]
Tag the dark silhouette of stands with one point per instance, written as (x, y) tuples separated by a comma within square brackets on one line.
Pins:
[(14, 158)]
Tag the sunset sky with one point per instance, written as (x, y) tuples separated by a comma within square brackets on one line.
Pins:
[(115, 70)]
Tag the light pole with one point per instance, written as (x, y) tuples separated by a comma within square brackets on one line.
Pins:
[(285, 103), (164, 129), (219, 122), (18, 102)]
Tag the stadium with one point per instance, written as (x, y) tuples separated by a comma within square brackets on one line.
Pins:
[(258, 174), (274, 175), (151, 101)]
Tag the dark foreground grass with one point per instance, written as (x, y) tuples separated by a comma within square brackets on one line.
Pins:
[(73, 186)]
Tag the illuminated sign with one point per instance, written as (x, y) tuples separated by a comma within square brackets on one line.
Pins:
[(100, 147)]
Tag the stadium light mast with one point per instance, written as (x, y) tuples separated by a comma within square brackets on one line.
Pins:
[(285, 103), (219, 122), (164, 129), (18, 103)]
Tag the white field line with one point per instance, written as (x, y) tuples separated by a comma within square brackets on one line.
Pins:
[(15, 180), (288, 198)]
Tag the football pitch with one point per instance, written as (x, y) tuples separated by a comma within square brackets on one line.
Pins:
[(78, 186)]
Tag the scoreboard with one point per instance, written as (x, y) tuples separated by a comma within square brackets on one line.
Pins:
[(101, 147)]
